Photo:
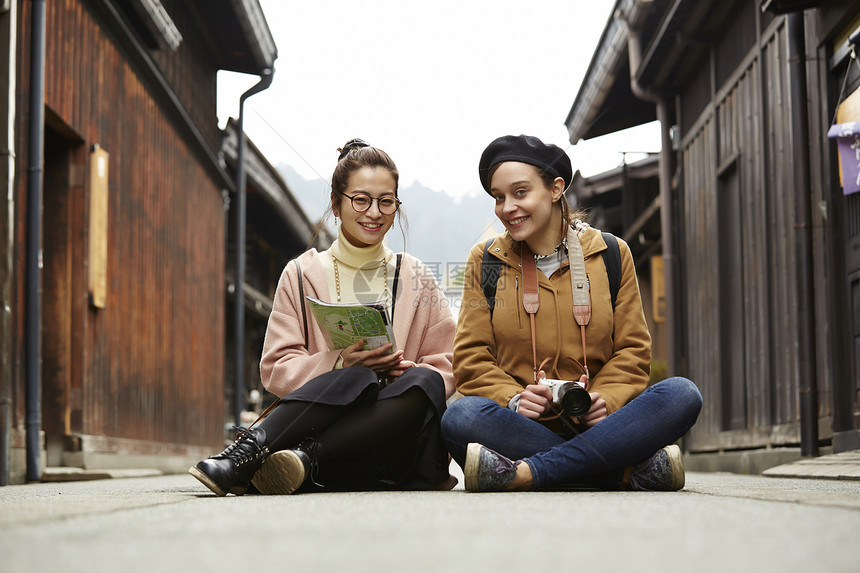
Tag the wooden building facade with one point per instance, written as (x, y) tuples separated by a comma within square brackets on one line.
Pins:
[(764, 241), (133, 250)]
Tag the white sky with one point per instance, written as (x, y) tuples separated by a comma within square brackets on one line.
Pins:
[(431, 83)]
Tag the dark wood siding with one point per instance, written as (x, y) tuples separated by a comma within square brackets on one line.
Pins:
[(739, 234), (149, 366), (780, 224), (702, 311)]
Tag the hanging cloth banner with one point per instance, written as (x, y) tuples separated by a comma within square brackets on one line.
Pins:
[(847, 135)]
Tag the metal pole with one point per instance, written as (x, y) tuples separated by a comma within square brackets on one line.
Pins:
[(634, 50), (667, 237), (807, 383), (33, 284), (239, 290)]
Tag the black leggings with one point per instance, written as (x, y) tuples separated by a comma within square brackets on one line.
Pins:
[(344, 431)]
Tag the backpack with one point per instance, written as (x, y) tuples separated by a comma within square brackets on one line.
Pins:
[(491, 267)]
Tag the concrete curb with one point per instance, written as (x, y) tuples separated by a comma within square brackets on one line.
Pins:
[(841, 466), (63, 474)]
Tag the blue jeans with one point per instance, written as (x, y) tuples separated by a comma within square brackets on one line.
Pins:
[(659, 416)]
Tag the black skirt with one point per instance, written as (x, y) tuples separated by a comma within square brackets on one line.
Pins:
[(413, 461)]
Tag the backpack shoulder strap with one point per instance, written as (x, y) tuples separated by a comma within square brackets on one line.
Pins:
[(612, 262), (302, 297), (490, 269), (394, 284)]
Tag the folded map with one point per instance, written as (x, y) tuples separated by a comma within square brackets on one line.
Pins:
[(343, 324)]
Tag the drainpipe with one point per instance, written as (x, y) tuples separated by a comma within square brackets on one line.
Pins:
[(9, 36), (807, 383), (241, 207), (33, 284), (634, 49)]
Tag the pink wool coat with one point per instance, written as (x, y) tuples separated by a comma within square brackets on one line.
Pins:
[(423, 326)]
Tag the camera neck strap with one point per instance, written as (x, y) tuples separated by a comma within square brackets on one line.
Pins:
[(579, 287), (581, 290), (531, 297)]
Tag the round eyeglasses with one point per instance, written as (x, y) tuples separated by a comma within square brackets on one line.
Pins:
[(361, 203)]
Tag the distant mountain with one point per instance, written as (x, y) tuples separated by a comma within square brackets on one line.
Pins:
[(441, 228)]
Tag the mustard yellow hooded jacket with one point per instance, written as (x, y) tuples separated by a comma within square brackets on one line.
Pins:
[(493, 354)]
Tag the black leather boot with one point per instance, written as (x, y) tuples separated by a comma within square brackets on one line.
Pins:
[(231, 470), (285, 471)]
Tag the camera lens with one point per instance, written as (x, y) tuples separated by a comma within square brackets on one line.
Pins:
[(574, 399)]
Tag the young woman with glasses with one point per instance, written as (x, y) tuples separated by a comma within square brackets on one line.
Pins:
[(351, 418), (555, 315)]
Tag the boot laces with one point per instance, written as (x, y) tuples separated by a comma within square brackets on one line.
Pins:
[(244, 448)]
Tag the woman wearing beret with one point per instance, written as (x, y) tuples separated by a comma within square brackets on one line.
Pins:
[(556, 315), (352, 418)]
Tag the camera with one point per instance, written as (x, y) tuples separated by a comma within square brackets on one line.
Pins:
[(572, 397)]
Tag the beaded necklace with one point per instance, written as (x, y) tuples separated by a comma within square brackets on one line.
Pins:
[(337, 279)]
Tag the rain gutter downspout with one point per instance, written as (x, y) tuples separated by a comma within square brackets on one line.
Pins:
[(634, 49), (9, 36), (33, 282), (239, 281), (807, 383)]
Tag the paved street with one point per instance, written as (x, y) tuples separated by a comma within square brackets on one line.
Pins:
[(720, 522)]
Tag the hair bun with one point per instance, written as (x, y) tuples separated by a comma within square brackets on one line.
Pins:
[(349, 146)]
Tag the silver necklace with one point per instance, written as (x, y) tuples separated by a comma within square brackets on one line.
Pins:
[(562, 244)]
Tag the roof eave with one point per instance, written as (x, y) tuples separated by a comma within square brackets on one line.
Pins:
[(608, 64), (256, 29), (605, 64), (238, 35)]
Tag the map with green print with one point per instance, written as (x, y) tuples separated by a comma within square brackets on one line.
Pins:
[(343, 324)]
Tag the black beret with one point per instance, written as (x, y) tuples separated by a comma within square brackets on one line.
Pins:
[(549, 158)]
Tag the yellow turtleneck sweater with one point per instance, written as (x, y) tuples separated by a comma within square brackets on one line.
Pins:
[(362, 277)]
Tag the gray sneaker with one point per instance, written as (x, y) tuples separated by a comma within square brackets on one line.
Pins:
[(664, 471), (487, 470)]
